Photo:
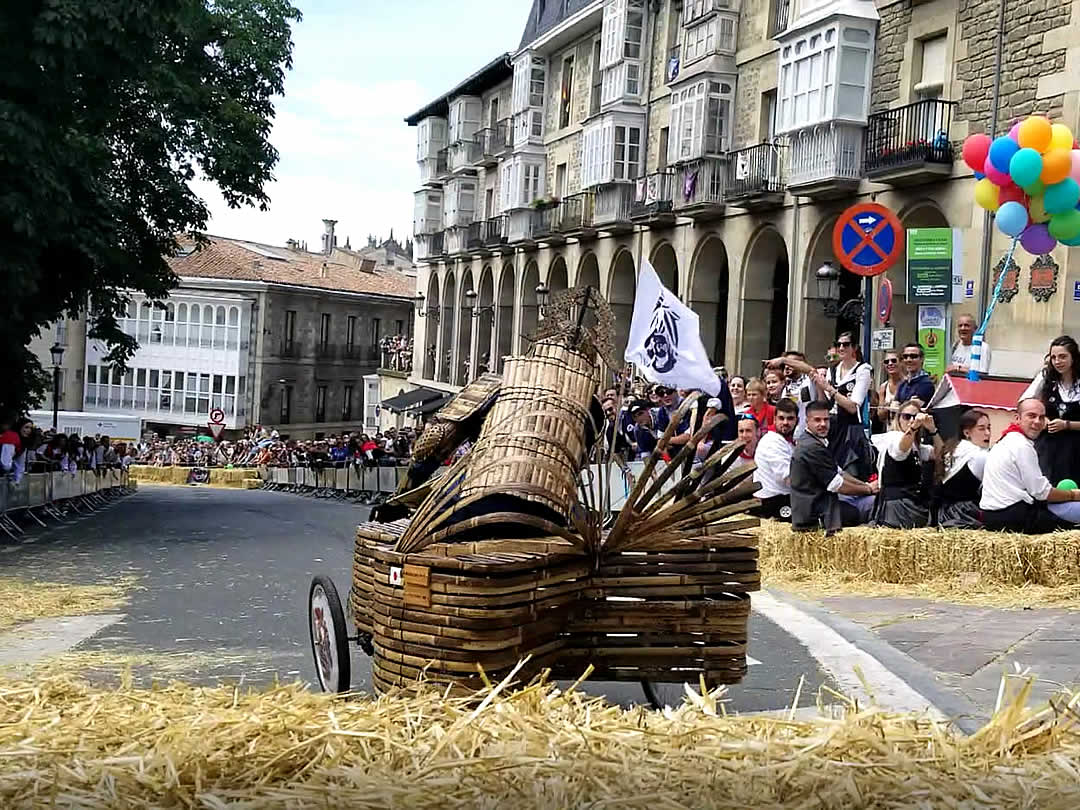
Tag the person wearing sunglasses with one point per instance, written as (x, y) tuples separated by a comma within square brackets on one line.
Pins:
[(894, 375), (917, 383), (847, 387), (903, 501)]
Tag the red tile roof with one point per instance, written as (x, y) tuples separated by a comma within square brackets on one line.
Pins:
[(235, 259)]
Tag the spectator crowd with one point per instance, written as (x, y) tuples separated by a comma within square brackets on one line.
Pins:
[(26, 448), (832, 449)]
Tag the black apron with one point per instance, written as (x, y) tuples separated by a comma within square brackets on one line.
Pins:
[(847, 438), (958, 501), (900, 503), (1059, 453)]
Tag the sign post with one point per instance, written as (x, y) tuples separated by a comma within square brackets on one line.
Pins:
[(216, 423)]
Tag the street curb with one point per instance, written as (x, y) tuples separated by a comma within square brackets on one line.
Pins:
[(960, 709)]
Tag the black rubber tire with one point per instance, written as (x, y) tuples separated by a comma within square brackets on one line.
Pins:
[(662, 695), (340, 645)]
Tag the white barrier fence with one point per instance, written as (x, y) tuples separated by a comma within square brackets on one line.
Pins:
[(386, 480), (44, 489)]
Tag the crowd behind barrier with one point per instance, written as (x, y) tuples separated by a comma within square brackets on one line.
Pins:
[(57, 494)]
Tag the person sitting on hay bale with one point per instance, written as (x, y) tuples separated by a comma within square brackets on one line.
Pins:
[(959, 472), (902, 502), (773, 457), (821, 493), (1016, 496)]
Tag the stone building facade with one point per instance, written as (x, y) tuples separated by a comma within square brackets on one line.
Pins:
[(750, 126)]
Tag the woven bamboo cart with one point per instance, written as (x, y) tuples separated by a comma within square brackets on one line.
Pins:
[(507, 563)]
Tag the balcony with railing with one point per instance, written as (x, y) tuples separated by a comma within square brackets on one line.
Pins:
[(576, 215), (612, 209), (488, 144), (493, 232), (652, 205), (474, 239), (910, 145), (437, 244), (519, 228), (457, 241), (756, 176), (545, 225), (826, 160), (699, 188)]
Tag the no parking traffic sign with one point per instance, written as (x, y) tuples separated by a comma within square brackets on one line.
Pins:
[(867, 239)]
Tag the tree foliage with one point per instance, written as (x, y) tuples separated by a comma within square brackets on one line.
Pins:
[(108, 108)]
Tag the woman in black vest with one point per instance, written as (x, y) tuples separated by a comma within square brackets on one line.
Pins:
[(1058, 386), (959, 472), (902, 501)]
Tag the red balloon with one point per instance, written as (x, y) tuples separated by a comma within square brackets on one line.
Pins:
[(1012, 193), (975, 150)]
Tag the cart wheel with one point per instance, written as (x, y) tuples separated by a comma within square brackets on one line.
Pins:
[(665, 695), (329, 636)]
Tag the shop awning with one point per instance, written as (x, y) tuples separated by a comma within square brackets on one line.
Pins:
[(433, 405), (410, 399), (953, 391)]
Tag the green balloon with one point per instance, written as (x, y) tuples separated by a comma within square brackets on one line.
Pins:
[(1065, 226), (1035, 189), (1066, 483)]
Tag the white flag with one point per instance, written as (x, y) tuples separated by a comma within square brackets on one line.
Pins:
[(665, 338)]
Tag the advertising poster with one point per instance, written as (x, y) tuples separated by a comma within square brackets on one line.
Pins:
[(933, 338), (929, 265)]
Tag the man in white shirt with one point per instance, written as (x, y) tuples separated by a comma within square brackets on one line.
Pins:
[(960, 360), (1016, 496), (773, 457)]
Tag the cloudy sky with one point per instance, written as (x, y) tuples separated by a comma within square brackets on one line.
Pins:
[(360, 67)]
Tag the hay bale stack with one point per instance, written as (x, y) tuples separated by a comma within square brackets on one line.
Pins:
[(67, 744), (157, 475), (915, 556)]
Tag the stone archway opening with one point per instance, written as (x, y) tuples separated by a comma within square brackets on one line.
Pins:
[(485, 321), (530, 310), (621, 288), (819, 330), (558, 277), (431, 333), (666, 266), (764, 299), (709, 298), (504, 329), (446, 322), (588, 274), (462, 369)]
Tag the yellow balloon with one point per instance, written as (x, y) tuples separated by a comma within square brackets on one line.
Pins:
[(986, 194), (1038, 210), (1061, 137), (1035, 133)]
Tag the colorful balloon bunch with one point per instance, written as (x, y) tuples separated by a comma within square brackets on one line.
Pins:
[(1030, 180)]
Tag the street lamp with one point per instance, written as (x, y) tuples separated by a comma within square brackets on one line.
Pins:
[(57, 352), (470, 304), (828, 285), (542, 293), (421, 312)]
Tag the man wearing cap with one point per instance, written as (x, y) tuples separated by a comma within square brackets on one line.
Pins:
[(642, 432)]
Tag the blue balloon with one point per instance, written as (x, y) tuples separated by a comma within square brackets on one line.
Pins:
[(1012, 219), (1002, 151), (1025, 167), (1062, 196), (979, 175)]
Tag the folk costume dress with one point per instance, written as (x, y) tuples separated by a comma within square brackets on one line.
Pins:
[(1059, 453), (961, 487), (847, 436), (901, 502)]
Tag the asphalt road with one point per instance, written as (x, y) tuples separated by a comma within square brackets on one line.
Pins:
[(221, 585)]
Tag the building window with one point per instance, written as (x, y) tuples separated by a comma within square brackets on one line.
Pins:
[(700, 119), (597, 80), (567, 94), (61, 331), (493, 115), (346, 403), (635, 26), (286, 404), (320, 404), (931, 82), (560, 180), (537, 128), (290, 329), (324, 331), (350, 334), (530, 185), (818, 83), (376, 331), (537, 79), (662, 156), (627, 152)]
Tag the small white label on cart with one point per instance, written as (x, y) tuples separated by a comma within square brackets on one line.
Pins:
[(395, 575)]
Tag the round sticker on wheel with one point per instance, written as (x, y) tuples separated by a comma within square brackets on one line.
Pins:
[(785, 512), (329, 636), (217, 416)]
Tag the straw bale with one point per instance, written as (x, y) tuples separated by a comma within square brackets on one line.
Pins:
[(23, 600), (66, 743), (978, 567)]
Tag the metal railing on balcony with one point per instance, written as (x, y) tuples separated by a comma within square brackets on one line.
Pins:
[(653, 194), (545, 222), (493, 231), (437, 244), (613, 204), (475, 237), (828, 152), (700, 182), (484, 147), (755, 170), (577, 212), (778, 22), (915, 134)]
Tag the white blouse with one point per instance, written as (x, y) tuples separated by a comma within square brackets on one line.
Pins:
[(970, 455), (1068, 393), (863, 376), (888, 444)]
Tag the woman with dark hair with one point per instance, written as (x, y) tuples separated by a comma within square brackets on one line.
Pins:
[(958, 472), (737, 387), (902, 501), (1059, 389), (847, 386)]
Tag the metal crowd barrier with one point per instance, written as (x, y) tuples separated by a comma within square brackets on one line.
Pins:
[(56, 494), (372, 484)]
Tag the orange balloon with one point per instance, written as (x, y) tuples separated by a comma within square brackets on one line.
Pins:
[(1057, 164), (1035, 133)]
